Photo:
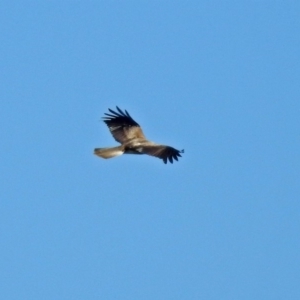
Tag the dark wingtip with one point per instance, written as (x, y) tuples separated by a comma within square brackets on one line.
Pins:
[(118, 115), (120, 111), (128, 115)]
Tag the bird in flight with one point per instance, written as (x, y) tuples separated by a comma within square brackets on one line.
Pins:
[(129, 134)]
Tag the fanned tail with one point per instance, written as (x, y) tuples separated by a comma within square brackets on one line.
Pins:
[(109, 152)]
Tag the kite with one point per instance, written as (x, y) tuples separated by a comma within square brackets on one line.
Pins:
[(129, 134)]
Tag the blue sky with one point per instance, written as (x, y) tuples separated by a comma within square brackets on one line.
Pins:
[(219, 79)]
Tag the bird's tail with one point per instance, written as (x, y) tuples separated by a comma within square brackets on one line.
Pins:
[(109, 152)]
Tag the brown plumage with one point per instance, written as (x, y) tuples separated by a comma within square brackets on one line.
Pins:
[(129, 134)]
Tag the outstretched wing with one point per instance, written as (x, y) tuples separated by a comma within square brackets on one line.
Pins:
[(122, 126), (163, 152)]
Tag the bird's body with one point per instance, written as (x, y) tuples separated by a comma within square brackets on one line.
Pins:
[(131, 137)]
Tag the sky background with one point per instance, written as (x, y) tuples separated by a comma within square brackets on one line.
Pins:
[(220, 79)]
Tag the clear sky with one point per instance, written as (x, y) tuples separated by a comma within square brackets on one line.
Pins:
[(220, 79)]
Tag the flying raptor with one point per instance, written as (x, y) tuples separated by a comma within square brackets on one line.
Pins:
[(129, 134)]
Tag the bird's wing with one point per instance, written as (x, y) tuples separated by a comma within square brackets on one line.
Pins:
[(122, 126), (163, 152)]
